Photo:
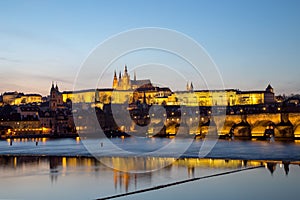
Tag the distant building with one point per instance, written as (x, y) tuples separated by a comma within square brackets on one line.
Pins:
[(56, 98), (228, 97), (28, 112), (58, 117), (256, 97), (21, 120), (17, 98), (189, 87), (125, 90), (47, 120), (125, 83)]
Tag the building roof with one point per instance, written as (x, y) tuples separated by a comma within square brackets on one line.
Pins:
[(269, 87), (29, 95), (88, 90), (252, 92), (11, 93), (29, 109), (141, 83), (154, 89)]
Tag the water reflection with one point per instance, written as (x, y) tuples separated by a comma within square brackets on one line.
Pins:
[(96, 179), (60, 166), (271, 166)]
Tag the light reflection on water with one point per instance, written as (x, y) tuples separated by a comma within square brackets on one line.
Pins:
[(64, 169), (235, 149), (30, 177)]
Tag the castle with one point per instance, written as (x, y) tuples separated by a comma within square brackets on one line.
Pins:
[(124, 82), (124, 89)]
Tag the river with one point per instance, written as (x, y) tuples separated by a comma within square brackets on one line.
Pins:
[(65, 169)]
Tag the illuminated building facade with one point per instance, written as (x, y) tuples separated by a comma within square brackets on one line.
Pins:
[(125, 90), (229, 97), (125, 83), (23, 120), (17, 98)]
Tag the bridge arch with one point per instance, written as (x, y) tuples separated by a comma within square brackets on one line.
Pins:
[(297, 130), (242, 129), (264, 128), (285, 129), (226, 129)]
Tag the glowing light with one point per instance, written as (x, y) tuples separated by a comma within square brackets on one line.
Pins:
[(64, 162), (15, 161)]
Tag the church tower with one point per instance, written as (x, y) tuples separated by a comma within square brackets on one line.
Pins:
[(270, 89), (192, 87), (115, 81), (134, 76), (187, 86), (126, 80), (55, 98)]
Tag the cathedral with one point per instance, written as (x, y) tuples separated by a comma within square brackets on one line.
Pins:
[(125, 83)]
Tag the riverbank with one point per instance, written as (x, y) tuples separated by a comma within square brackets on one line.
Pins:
[(29, 136)]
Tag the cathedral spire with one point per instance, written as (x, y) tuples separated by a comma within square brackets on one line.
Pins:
[(115, 80), (192, 87), (134, 76), (125, 69)]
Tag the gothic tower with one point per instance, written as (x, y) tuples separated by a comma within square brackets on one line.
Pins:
[(134, 76), (55, 98), (270, 89), (115, 81), (126, 80), (192, 87), (187, 86)]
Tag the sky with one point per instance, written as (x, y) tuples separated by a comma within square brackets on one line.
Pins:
[(253, 43)]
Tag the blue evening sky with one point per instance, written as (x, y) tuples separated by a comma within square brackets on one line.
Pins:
[(254, 42)]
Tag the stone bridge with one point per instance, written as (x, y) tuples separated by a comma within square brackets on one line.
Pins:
[(280, 125)]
